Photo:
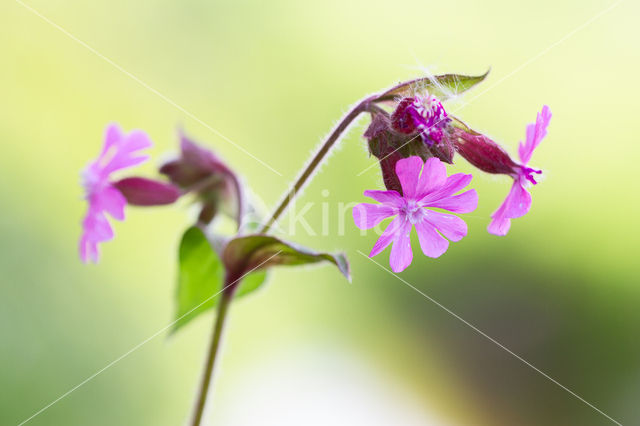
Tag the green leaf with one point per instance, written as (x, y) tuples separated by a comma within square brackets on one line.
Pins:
[(257, 252), (201, 278), (251, 282), (203, 275), (443, 86)]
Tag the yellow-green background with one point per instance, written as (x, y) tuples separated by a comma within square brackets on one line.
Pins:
[(562, 290)]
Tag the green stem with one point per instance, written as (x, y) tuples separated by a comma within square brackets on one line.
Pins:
[(223, 306), (363, 106), (317, 159)]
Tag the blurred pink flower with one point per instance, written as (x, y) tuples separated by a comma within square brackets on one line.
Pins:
[(120, 151), (518, 201), (432, 189)]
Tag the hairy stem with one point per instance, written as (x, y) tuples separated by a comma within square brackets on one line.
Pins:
[(223, 306), (317, 159), (363, 106)]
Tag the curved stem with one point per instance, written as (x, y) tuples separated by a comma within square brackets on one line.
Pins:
[(317, 159), (362, 106), (223, 306)]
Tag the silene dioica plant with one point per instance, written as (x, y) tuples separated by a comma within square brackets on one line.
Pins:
[(412, 137)]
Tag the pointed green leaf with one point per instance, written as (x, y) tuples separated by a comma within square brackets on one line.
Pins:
[(443, 86), (256, 252), (201, 277)]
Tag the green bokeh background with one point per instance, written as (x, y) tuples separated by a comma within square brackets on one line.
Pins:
[(562, 290)]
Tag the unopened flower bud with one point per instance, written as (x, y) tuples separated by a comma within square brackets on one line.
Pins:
[(201, 172), (384, 144)]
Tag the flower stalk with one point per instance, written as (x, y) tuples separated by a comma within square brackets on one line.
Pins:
[(212, 354), (363, 106), (316, 160)]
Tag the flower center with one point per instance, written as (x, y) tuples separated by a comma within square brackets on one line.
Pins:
[(412, 211), (91, 180)]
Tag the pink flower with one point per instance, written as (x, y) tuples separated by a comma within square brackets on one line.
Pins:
[(431, 189), (518, 201), (120, 151)]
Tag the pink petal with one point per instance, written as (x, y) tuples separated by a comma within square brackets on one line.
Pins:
[(387, 236), (112, 136), (125, 152), (137, 140), (452, 227), (96, 227), (88, 250), (122, 161), (408, 172), (500, 223), (401, 254), (535, 133), (390, 198), (453, 184), (432, 243), (519, 201), (433, 177), (462, 203), (366, 216), (111, 201), (516, 204)]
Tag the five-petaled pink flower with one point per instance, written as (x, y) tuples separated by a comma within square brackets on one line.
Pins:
[(431, 189), (518, 201), (120, 151)]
